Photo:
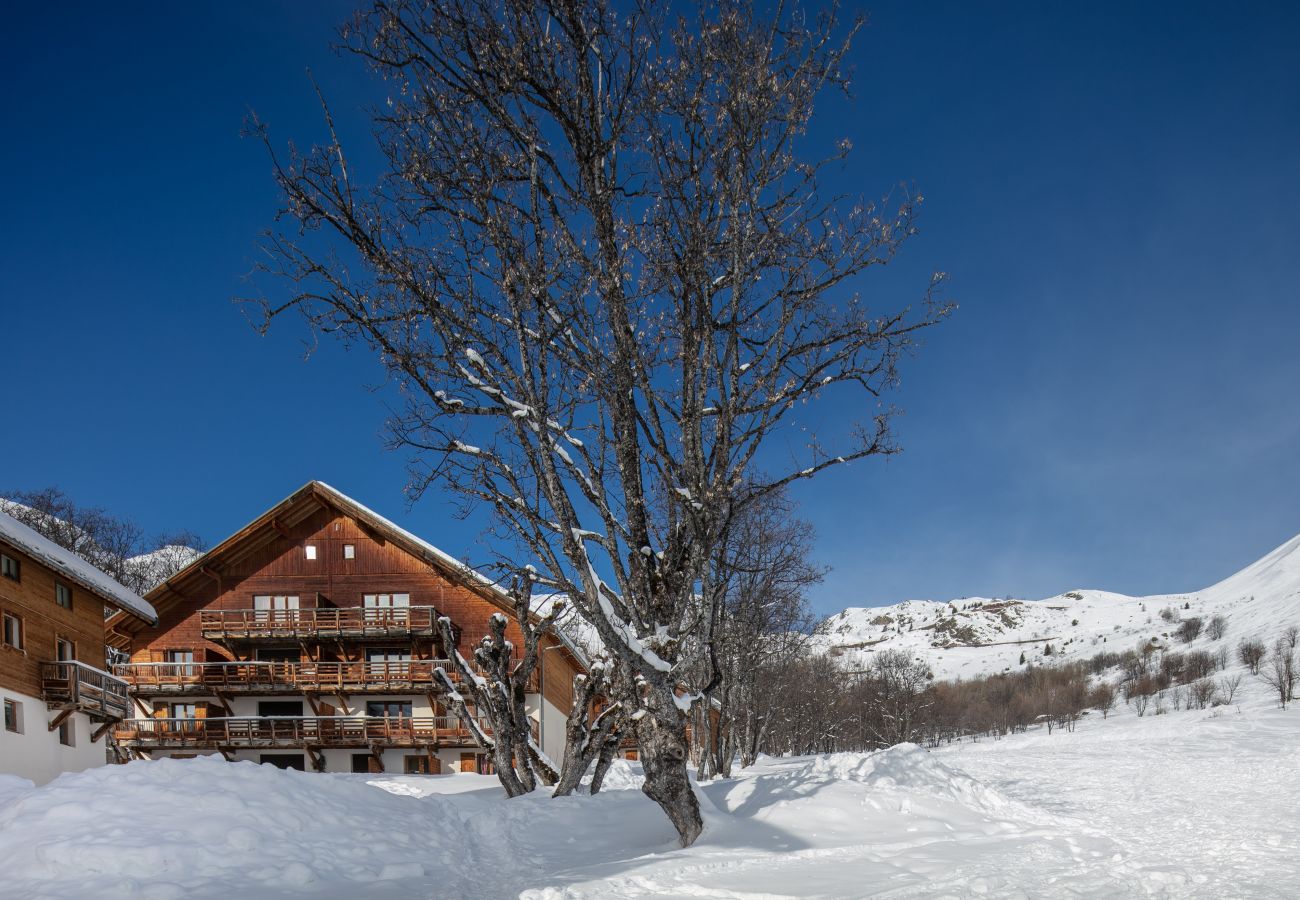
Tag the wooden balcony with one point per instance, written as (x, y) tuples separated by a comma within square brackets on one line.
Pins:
[(353, 623), (414, 676), (77, 687), (323, 732)]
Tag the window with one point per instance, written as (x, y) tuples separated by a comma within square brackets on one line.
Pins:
[(349, 551), (64, 650), (279, 708), (387, 654), (13, 631), (182, 663), (183, 710), (67, 733), (274, 607), (285, 761), (63, 595), (386, 601), (13, 716), (365, 763), (420, 765), (9, 567), (311, 551), (393, 709)]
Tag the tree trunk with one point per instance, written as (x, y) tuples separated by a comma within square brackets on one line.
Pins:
[(661, 732)]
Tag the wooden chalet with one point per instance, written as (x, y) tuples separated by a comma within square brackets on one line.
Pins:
[(309, 640), (58, 700)]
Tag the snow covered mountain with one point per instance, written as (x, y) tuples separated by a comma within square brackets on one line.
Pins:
[(977, 636)]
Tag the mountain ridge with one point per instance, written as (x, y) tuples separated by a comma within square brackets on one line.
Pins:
[(978, 636)]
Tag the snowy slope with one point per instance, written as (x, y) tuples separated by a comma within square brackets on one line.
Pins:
[(977, 636), (1189, 804)]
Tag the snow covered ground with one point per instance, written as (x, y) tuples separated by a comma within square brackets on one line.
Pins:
[(1188, 804)]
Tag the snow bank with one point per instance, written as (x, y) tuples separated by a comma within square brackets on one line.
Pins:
[(191, 828), (1189, 804), (907, 768), (12, 787)]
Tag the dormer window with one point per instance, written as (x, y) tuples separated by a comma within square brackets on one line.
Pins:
[(311, 551)]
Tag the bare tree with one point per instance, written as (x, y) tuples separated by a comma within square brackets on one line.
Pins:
[(1103, 699), (1251, 654), (591, 736), (500, 694), (898, 687), (1217, 628), (1228, 687), (1201, 693), (762, 571), (599, 264), (1280, 671)]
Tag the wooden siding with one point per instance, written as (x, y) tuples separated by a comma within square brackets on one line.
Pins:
[(32, 600), (275, 563)]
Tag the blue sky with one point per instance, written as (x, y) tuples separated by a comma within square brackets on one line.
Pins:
[(1112, 187)]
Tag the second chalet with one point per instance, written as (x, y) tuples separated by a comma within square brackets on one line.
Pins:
[(308, 640)]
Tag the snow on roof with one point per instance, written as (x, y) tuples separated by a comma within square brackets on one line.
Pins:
[(73, 567)]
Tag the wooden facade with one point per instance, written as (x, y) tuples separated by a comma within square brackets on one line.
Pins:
[(59, 699), (322, 601)]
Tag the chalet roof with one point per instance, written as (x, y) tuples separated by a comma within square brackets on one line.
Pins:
[(73, 568), (170, 590)]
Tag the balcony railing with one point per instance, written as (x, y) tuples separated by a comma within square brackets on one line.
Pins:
[(75, 685), (294, 731), (271, 677), (329, 622)]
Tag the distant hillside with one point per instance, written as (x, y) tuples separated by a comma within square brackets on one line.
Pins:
[(978, 636)]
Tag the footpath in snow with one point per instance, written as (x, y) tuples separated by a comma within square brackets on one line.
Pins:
[(1190, 804)]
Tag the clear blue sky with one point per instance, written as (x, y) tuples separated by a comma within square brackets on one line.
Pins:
[(1113, 187)]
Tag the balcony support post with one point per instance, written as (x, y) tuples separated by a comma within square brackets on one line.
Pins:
[(62, 717), (224, 701), (317, 758)]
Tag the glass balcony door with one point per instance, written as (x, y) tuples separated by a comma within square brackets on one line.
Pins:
[(274, 607), (387, 608)]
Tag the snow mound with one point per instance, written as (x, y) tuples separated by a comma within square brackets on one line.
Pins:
[(12, 787), (622, 776), (183, 828), (909, 769)]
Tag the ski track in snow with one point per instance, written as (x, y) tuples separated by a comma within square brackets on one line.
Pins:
[(1197, 804)]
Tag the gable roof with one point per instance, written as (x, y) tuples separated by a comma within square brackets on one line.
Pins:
[(73, 568), (306, 501)]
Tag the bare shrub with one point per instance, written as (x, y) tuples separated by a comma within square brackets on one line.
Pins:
[(1201, 693), (1228, 687), (1217, 628), (1252, 654), (1189, 629), (1280, 673)]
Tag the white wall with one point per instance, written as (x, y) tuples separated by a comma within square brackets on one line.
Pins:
[(36, 753), (553, 735)]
